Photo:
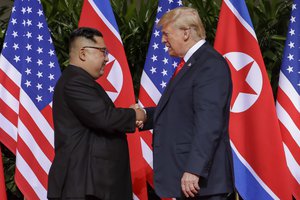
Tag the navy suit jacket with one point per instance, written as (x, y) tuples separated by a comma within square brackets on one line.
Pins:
[(190, 126)]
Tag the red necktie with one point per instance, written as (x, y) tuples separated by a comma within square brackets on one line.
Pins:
[(179, 67)]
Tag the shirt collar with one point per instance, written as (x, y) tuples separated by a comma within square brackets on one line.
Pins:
[(193, 49)]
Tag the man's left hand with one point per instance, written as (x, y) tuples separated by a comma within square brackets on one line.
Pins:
[(190, 184)]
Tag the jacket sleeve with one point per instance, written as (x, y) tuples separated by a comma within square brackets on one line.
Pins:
[(87, 103)]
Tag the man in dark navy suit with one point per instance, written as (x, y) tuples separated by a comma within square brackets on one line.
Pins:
[(191, 151)]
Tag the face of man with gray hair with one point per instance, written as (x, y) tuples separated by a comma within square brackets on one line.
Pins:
[(181, 29)]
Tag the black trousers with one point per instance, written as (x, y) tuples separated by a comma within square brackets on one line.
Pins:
[(211, 197)]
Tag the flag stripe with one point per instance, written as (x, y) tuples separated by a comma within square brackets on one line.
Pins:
[(8, 113), (47, 114), (105, 20), (245, 23), (30, 177), (245, 176), (8, 141), (8, 128), (26, 188), (152, 91), (33, 163), (9, 99), (290, 142), (145, 98), (2, 180), (285, 101), (289, 90), (287, 121), (147, 153), (12, 88), (36, 134), (36, 115), (292, 164), (11, 72), (35, 148)]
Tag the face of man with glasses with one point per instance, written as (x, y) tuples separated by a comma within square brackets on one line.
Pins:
[(96, 57)]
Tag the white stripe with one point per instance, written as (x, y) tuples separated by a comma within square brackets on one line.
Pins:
[(251, 170), (147, 153), (140, 104), (10, 70), (292, 164), (30, 177), (36, 115), (240, 18), (289, 90), (288, 122), (9, 99), (9, 128), (150, 88), (135, 197), (107, 23), (30, 142)]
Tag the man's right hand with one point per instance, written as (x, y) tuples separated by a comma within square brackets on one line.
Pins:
[(140, 115)]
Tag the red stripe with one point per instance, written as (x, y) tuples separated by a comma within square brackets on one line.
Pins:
[(289, 107), (9, 85), (147, 137), (24, 186), (47, 113), (2, 182), (295, 186), (36, 133), (8, 113), (149, 175), (31, 160), (145, 99), (290, 143), (8, 141)]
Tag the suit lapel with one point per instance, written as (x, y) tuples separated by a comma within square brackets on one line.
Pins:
[(173, 82)]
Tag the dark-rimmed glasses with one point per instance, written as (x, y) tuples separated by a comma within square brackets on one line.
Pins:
[(102, 49)]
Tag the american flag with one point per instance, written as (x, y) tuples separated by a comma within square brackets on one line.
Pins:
[(288, 100), (29, 71), (259, 162), (158, 70)]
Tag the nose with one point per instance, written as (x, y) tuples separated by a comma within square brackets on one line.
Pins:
[(163, 39), (106, 59)]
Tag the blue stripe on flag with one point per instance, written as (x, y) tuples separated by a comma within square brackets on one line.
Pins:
[(106, 9), (242, 9), (244, 179)]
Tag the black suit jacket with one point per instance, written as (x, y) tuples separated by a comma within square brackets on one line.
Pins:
[(91, 152), (190, 125)]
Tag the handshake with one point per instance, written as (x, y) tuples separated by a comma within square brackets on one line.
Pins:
[(140, 114)]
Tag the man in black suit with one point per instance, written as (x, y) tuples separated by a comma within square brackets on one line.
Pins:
[(91, 152), (191, 151)]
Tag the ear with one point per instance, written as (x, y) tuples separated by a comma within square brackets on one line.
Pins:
[(187, 34), (82, 55)]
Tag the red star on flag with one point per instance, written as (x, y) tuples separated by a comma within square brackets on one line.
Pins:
[(239, 79)]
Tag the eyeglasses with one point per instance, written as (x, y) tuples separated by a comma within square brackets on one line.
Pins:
[(102, 49)]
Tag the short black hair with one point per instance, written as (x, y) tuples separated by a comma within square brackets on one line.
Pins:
[(86, 32)]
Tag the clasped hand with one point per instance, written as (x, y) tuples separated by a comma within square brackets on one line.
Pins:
[(140, 115)]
